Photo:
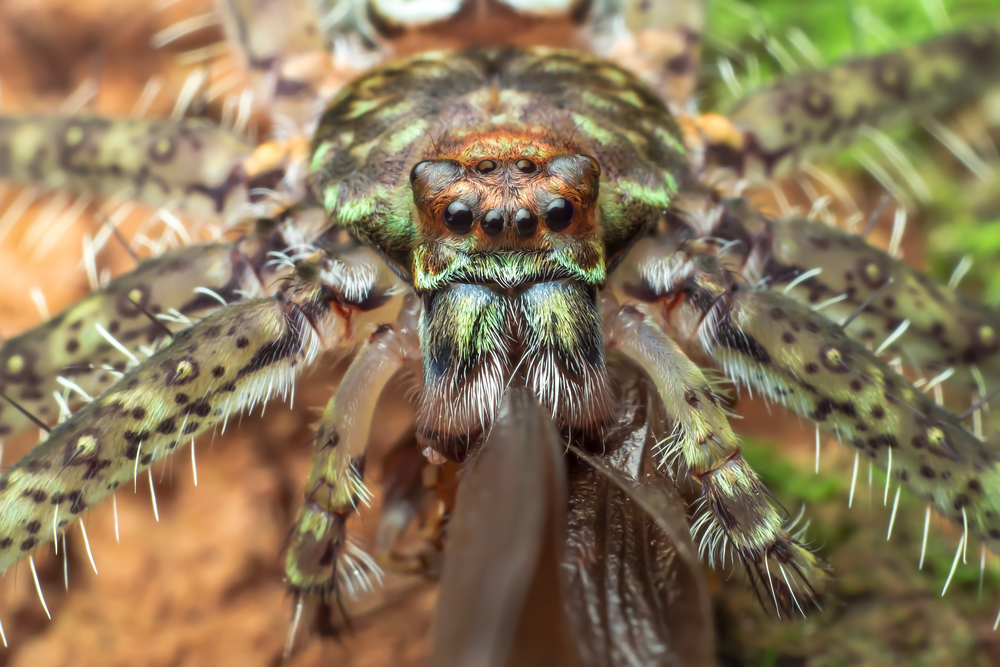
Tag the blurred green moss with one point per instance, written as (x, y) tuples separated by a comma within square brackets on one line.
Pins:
[(757, 41)]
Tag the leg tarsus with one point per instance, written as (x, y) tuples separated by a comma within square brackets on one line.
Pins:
[(321, 559), (738, 515)]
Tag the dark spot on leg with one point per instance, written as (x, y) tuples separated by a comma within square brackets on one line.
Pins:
[(816, 103), (200, 407)]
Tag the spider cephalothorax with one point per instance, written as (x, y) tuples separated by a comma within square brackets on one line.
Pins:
[(535, 233)]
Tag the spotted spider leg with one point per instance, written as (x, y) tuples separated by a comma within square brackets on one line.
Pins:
[(940, 330), (879, 300), (321, 559), (793, 355), (90, 344), (83, 349), (190, 164), (735, 514), (821, 111), (229, 362)]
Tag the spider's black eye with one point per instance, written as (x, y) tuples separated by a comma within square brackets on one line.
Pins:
[(486, 166), (492, 223), (525, 166), (458, 217), (417, 168), (525, 222), (559, 214)]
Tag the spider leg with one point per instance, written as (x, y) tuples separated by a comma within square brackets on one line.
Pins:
[(236, 358), (944, 330), (77, 343), (820, 111), (793, 355), (737, 515), (92, 342), (188, 164), (879, 300), (321, 559)]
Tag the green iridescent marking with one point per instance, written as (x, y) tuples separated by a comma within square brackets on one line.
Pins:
[(668, 138), (330, 197), (400, 109), (590, 98), (592, 129), (356, 210), (319, 156), (361, 107), (630, 97), (652, 196), (406, 136)]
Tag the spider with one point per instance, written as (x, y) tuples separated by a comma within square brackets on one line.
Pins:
[(555, 250)]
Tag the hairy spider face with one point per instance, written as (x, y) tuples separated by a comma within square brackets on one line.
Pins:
[(509, 211), (505, 194), (501, 200)]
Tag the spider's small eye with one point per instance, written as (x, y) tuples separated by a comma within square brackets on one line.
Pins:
[(458, 217), (492, 223), (525, 166), (486, 166), (417, 169), (559, 214), (525, 222)]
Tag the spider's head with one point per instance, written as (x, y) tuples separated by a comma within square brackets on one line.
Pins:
[(505, 209)]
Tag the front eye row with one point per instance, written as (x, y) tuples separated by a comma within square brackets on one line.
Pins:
[(558, 216)]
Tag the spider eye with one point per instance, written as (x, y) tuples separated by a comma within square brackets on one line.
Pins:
[(525, 166), (559, 214), (418, 168), (492, 223), (486, 166), (525, 222), (458, 218)]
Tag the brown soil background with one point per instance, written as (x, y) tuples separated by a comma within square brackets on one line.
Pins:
[(204, 585)]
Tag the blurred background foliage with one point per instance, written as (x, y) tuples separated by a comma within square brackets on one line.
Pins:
[(945, 170)]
